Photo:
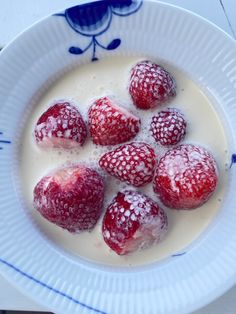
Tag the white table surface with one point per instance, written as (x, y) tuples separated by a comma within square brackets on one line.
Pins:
[(15, 16)]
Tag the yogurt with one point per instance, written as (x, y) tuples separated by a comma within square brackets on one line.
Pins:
[(110, 77)]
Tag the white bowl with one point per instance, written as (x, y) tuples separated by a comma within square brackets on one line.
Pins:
[(45, 272)]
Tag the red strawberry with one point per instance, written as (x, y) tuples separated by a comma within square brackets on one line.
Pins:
[(60, 126), (110, 124), (133, 221), (71, 197), (150, 85), (133, 163), (168, 127), (186, 177)]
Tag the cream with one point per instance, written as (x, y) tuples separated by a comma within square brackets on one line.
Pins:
[(110, 77)]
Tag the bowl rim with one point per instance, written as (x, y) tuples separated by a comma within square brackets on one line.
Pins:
[(4, 52)]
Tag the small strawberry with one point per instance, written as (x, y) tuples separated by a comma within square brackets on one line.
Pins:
[(110, 124), (168, 127), (70, 197), (133, 221), (60, 126), (150, 85), (132, 163), (186, 177)]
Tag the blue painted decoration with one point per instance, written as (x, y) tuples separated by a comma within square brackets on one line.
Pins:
[(178, 254), (3, 141), (50, 288), (233, 160), (94, 19)]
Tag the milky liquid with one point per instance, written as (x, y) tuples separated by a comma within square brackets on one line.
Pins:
[(110, 77)]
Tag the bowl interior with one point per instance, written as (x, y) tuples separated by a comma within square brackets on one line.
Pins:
[(175, 37)]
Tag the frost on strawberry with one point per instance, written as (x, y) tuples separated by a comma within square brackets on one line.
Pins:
[(111, 124), (132, 163), (60, 126), (70, 197), (150, 85), (186, 177), (168, 127), (132, 222)]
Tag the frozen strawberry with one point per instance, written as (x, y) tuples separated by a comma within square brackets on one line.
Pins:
[(70, 197), (168, 127), (132, 163), (111, 124), (133, 221), (150, 85), (60, 126), (186, 177)]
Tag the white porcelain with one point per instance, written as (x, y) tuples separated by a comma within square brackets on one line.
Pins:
[(45, 272)]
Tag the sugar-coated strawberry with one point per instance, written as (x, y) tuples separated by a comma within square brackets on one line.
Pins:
[(60, 126), (111, 124), (168, 127), (150, 85), (70, 197), (132, 222), (186, 177), (132, 163)]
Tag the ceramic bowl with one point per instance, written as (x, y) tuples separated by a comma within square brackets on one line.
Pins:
[(86, 33)]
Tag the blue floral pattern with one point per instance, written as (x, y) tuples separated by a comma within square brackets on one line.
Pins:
[(3, 141), (233, 160), (94, 19)]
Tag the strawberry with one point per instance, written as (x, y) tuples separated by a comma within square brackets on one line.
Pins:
[(132, 163), (110, 124), (150, 85), (186, 177), (133, 221), (168, 127), (60, 126), (70, 197)]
